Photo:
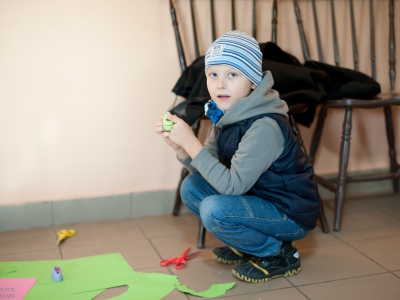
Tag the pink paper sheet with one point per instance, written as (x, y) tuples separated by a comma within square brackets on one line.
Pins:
[(15, 288)]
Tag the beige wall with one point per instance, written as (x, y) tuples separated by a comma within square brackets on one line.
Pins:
[(82, 83)]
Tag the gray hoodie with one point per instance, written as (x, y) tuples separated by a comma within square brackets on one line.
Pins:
[(261, 145)]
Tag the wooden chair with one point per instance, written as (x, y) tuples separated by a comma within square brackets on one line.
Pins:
[(293, 109), (382, 101)]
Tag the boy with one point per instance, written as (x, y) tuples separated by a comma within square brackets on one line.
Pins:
[(251, 185)]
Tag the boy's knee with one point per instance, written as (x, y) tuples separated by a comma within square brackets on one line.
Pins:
[(211, 212), (188, 186)]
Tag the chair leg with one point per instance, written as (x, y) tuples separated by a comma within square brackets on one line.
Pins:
[(202, 235), (317, 133), (394, 167), (343, 161), (178, 199), (322, 217)]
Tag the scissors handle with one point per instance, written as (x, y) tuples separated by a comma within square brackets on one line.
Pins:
[(167, 261), (180, 264), (180, 261)]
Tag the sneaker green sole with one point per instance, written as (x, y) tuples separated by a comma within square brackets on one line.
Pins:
[(229, 256), (229, 261), (253, 280)]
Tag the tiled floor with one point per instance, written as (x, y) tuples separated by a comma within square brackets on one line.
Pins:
[(362, 261)]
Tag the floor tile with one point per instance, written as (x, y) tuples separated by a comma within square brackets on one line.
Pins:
[(386, 203), (173, 246), (282, 294), (357, 204), (384, 251), (93, 233), (332, 262), (28, 240), (395, 213), (381, 286), (360, 226), (168, 225), (138, 253), (29, 256), (317, 238)]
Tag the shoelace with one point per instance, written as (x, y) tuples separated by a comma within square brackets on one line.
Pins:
[(265, 260)]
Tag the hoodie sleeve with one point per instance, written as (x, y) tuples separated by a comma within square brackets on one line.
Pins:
[(210, 145), (187, 164), (260, 147)]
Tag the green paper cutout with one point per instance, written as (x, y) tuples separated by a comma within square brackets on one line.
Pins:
[(98, 272), (153, 286), (87, 277), (57, 291), (215, 290)]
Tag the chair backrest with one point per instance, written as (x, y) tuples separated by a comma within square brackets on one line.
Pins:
[(181, 52), (354, 39)]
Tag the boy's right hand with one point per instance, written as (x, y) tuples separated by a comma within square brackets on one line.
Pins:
[(159, 128)]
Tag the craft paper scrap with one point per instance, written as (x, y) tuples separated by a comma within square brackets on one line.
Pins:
[(156, 286), (79, 275), (98, 272), (153, 286), (15, 288), (215, 290), (58, 291), (87, 277)]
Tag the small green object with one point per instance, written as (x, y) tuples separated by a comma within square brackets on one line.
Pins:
[(167, 124)]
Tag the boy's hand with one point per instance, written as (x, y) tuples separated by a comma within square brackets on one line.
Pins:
[(165, 134), (182, 134)]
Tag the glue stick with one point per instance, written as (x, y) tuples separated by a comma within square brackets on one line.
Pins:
[(56, 274)]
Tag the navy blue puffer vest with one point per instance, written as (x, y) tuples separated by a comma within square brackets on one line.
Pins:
[(288, 183)]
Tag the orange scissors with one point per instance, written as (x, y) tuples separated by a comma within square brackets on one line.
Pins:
[(180, 261)]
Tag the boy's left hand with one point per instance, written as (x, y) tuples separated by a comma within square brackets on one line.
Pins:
[(181, 133)]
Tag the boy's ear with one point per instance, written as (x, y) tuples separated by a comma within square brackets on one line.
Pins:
[(253, 86)]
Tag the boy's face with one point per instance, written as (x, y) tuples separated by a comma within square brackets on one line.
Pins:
[(227, 85)]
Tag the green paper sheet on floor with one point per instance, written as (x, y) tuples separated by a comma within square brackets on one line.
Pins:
[(153, 286), (58, 291), (98, 272), (85, 278), (215, 290)]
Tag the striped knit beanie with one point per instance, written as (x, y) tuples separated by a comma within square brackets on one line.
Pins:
[(237, 50)]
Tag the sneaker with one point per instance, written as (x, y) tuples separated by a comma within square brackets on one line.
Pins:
[(230, 256), (260, 269)]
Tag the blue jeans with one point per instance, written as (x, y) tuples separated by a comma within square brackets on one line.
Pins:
[(247, 223)]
